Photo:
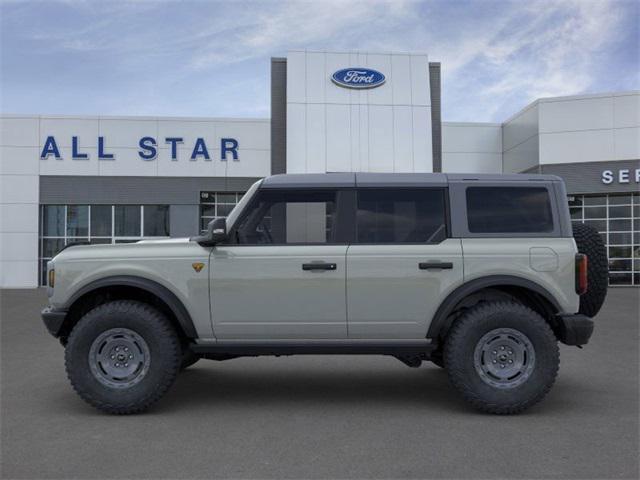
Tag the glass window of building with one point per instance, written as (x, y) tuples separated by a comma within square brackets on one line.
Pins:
[(156, 220), (62, 225), (127, 220), (216, 204)]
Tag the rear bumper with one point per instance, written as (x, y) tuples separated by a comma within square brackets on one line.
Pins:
[(574, 329), (53, 319)]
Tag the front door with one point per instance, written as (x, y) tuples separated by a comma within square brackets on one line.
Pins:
[(401, 263), (283, 273)]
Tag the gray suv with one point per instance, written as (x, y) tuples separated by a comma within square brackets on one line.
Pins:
[(480, 274)]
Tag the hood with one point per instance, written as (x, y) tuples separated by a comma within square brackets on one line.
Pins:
[(142, 248)]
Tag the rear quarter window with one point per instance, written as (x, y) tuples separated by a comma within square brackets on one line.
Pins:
[(509, 210)]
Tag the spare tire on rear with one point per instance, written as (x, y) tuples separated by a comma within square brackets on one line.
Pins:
[(590, 243)]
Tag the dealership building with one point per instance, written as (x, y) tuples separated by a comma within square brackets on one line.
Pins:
[(99, 179)]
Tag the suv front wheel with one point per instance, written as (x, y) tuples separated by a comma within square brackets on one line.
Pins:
[(122, 356), (502, 356)]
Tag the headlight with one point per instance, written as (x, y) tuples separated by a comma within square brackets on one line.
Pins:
[(52, 278)]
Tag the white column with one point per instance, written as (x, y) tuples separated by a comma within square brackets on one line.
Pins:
[(19, 194)]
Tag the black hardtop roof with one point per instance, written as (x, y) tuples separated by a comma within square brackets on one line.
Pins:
[(337, 180)]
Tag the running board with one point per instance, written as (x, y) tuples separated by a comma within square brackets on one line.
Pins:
[(315, 347)]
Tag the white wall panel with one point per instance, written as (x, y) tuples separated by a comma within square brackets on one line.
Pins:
[(19, 131), (576, 114), (520, 128), (19, 188), (338, 138), (365, 145), (470, 137), (126, 133), (254, 163), (626, 110), (296, 77), (63, 129), (18, 246), (316, 139), (422, 152), (471, 148), (252, 135), (18, 274), (296, 137), (315, 77), (476, 162), (582, 146), (420, 92), (354, 139), (19, 160), (19, 217), (626, 142), (381, 152), (401, 76), (522, 157), (403, 138)]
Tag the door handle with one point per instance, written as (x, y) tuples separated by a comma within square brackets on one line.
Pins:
[(319, 266), (435, 265)]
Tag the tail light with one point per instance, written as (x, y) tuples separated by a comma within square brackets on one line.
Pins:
[(582, 282)]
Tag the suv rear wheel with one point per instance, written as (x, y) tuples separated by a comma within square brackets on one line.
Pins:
[(502, 356), (122, 356)]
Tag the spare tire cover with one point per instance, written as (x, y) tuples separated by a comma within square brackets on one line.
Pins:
[(590, 243)]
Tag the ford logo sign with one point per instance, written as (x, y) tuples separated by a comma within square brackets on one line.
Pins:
[(358, 78)]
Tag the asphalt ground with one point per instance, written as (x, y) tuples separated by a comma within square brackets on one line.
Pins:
[(320, 417)]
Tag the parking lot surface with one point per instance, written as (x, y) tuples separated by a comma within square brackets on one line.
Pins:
[(320, 417)]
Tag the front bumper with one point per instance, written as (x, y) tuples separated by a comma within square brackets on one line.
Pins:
[(574, 329), (54, 320)]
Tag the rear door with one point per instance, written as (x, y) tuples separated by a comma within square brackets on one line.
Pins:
[(402, 262)]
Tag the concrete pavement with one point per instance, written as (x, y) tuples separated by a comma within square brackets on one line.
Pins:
[(320, 417)]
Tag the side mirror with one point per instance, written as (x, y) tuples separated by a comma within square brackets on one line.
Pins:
[(216, 233), (217, 230)]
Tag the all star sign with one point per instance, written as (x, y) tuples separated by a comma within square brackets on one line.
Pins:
[(358, 78), (147, 149)]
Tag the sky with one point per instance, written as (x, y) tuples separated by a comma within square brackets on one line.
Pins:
[(212, 59)]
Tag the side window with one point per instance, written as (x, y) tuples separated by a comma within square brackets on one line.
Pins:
[(509, 210), (401, 215), (289, 217)]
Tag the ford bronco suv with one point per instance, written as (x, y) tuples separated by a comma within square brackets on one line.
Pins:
[(480, 274)]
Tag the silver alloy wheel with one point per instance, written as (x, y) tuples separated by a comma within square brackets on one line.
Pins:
[(119, 358), (504, 358)]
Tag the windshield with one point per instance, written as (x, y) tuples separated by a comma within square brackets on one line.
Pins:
[(233, 215)]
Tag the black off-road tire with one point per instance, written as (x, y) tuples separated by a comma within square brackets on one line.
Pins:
[(161, 343), (470, 330), (188, 358), (590, 243)]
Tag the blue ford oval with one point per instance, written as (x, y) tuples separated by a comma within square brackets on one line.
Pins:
[(358, 78)]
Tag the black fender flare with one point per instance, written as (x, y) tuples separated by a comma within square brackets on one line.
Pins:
[(150, 286), (441, 321)]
